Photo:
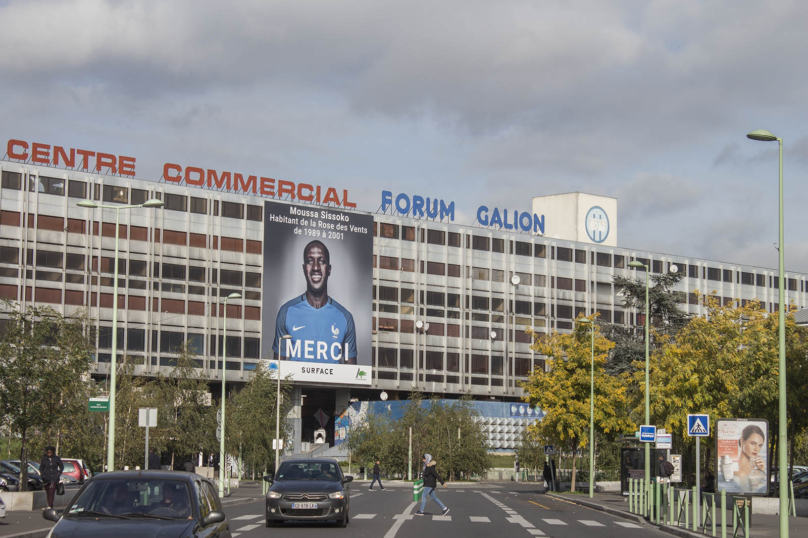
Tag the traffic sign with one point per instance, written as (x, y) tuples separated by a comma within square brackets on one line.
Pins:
[(219, 416), (549, 450), (647, 434), (99, 404), (147, 417), (664, 440), (698, 425)]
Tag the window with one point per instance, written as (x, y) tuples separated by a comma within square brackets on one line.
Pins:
[(12, 180), (389, 231), (748, 279), (139, 196), (407, 295), (498, 245), (564, 254), (454, 239), (76, 189), (479, 273), (497, 304), (230, 278), (540, 281), (105, 337), (232, 210), (199, 206), (435, 237), (137, 268), (9, 255), (252, 348), (619, 262), (435, 298), (46, 258), (539, 309), (453, 270), (479, 303), (479, 364), (563, 283), (656, 266), (387, 357), (435, 268), (603, 260), (580, 285), (254, 213), (386, 262), (252, 280), (713, 274), (173, 271), (539, 251), (453, 300), (408, 233), (693, 271), (407, 265), (118, 195), (136, 340), (176, 202), (760, 280), (496, 365), (564, 311), (196, 274), (434, 360), (47, 185), (497, 275), (171, 341), (524, 249), (727, 274), (75, 262), (580, 256), (522, 308), (480, 243), (524, 278)]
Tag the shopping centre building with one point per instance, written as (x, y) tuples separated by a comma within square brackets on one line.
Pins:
[(406, 280)]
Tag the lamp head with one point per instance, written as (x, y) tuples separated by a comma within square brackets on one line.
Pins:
[(234, 296), (585, 321), (636, 264), (89, 204), (761, 135), (154, 202)]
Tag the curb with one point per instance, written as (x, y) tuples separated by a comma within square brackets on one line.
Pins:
[(227, 502), (676, 531)]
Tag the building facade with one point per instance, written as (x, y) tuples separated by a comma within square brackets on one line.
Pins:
[(450, 303)]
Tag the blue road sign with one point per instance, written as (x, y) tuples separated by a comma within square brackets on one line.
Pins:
[(698, 425), (647, 434)]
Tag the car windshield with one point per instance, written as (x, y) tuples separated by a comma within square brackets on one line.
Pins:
[(10, 467), (309, 470), (136, 497)]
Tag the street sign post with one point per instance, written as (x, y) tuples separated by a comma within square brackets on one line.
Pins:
[(147, 418), (99, 404), (647, 434), (549, 450), (698, 426)]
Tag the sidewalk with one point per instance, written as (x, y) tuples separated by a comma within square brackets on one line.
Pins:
[(764, 526)]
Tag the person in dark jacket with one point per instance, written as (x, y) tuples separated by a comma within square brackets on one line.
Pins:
[(154, 460), (51, 468), (376, 473), (548, 476), (431, 479)]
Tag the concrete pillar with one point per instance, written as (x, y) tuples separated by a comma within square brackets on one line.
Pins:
[(295, 417)]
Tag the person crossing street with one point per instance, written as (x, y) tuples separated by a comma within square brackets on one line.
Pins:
[(376, 475), (431, 479)]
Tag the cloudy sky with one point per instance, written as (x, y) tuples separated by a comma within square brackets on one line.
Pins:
[(474, 101)]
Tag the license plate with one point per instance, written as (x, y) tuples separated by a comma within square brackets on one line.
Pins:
[(304, 506)]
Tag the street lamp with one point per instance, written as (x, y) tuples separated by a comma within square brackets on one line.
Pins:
[(286, 338), (638, 265), (222, 457), (90, 204), (587, 321), (765, 136)]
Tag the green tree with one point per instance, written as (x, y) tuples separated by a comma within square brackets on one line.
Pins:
[(563, 392), (43, 356)]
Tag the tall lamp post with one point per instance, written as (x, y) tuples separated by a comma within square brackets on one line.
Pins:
[(638, 265), (587, 321), (765, 136), (90, 204), (222, 457), (285, 338)]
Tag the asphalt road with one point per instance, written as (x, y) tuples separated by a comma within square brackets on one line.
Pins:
[(482, 511)]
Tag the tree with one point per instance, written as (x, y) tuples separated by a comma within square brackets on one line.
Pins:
[(531, 450), (43, 357), (563, 392), (666, 317)]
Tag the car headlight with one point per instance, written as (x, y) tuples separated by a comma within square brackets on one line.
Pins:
[(336, 495), (275, 495), (2, 481)]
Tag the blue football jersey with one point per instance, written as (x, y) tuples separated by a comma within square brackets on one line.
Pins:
[(325, 335)]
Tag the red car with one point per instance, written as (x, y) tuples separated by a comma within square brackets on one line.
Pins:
[(76, 469)]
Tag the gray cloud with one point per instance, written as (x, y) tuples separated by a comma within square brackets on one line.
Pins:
[(658, 195)]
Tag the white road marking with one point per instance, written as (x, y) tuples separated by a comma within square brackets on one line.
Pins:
[(247, 517), (441, 518), (461, 490), (514, 492), (248, 528), (400, 519), (364, 516), (355, 495), (591, 523), (535, 532), (522, 521), (627, 525), (235, 534), (553, 521), (479, 519)]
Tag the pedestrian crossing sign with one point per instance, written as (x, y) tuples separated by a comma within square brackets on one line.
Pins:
[(698, 425)]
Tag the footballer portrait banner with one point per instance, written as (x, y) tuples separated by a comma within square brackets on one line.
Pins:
[(318, 286)]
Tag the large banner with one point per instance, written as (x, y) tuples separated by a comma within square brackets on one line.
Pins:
[(318, 286), (741, 451)]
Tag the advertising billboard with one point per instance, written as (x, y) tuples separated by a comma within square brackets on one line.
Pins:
[(741, 451), (318, 286)]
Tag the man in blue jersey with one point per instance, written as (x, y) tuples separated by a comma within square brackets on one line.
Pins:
[(322, 330)]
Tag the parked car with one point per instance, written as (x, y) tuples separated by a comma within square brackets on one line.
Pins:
[(308, 490), (64, 479), (76, 469), (133, 504), (34, 481), (8, 482), (801, 491)]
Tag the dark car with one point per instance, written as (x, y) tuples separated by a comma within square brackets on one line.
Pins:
[(34, 480), (130, 504), (9, 482), (308, 490)]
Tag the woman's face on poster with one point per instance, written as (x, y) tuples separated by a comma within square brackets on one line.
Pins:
[(752, 446)]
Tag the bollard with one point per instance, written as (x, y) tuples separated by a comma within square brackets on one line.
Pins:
[(641, 510), (672, 505), (687, 509), (658, 502), (723, 514), (696, 502), (631, 495), (417, 490), (746, 508)]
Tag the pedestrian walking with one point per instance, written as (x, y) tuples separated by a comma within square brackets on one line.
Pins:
[(154, 460), (548, 477), (376, 473), (666, 469), (431, 479), (51, 468)]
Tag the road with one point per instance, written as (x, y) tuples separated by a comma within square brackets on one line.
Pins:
[(514, 510)]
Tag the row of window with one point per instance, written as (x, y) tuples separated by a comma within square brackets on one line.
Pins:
[(125, 195), (451, 362), (171, 342)]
